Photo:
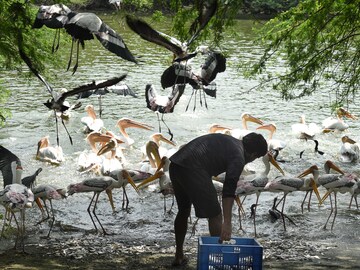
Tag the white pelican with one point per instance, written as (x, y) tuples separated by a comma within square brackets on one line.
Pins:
[(349, 150), (16, 197), (334, 183), (163, 151), (125, 123), (91, 122), (273, 144), (303, 130), (245, 118), (48, 192), (332, 124), (46, 152), (111, 163), (98, 185)]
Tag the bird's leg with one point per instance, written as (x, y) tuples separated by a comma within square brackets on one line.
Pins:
[(303, 202), (203, 92), (100, 106), (311, 192), (47, 212), (62, 121), (195, 100), (335, 213), (357, 206), (54, 40), (88, 209), (331, 211), (351, 199), (77, 57), (254, 212), (193, 230), (96, 200), (53, 218), (164, 204), (279, 202), (169, 131), (18, 229), (126, 198), (158, 118), (22, 230), (282, 211), (57, 129), (187, 106), (58, 40), (71, 52)]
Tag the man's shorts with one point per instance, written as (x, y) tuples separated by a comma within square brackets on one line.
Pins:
[(194, 186)]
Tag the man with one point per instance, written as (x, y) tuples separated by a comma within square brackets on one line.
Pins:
[(191, 171)]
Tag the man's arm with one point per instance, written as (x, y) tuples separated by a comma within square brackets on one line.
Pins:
[(227, 204)]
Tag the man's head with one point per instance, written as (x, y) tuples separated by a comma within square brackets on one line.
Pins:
[(255, 146)]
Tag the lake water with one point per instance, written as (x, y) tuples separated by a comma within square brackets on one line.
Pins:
[(31, 120)]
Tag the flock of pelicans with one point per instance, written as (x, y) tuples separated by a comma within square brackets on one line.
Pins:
[(105, 158)]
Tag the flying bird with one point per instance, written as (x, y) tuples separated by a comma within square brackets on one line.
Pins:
[(56, 103), (83, 26), (54, 17), (163, 104)]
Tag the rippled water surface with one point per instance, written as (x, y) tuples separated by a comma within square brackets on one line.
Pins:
[(31, 120)]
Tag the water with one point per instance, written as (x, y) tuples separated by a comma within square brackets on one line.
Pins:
[(31, 120)]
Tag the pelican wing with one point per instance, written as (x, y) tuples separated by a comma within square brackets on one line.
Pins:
[(148, 33)]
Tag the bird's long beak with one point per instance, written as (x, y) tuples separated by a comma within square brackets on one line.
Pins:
[(332, 165), (152, 150), (269, 127), (238, 202), (324, 197), (314, 186), (215, 128), (348, 140), (109, 193), (308, 171), (127, 123), (345, 113), (127, 176), (107, 147), (156, 175), (164, 139), (273, 162), (253, 119)]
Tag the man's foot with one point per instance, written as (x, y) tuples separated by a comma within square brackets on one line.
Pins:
[(179, 262)]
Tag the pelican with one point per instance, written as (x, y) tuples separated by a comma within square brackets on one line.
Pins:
[(91, 122), (111, 163), (349, 150), (125, 123), (48, 192), (157, 138), (46, 152), (273, 144), (98, 185), (10, 166), (17, 197), (245, 118), (217, 128), (332, 124), (303, 130), (334, 183), (256, 183)]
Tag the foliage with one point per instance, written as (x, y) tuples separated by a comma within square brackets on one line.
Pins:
[(17, 17), (268, 6), (319, 40)]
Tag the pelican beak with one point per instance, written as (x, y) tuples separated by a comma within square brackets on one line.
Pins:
[(215, 128), (127, 123), (156, 175), (161, 137), (334, 167), (273, 162), (109, 193), (345, 113), (253, 119), (152, 149), (127, 176), (346, 139), (107, 147), (269, 127)]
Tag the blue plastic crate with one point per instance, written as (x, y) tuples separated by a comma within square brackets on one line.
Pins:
[(240, 253)]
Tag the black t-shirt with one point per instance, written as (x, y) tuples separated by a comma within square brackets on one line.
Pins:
[(215, 153)]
